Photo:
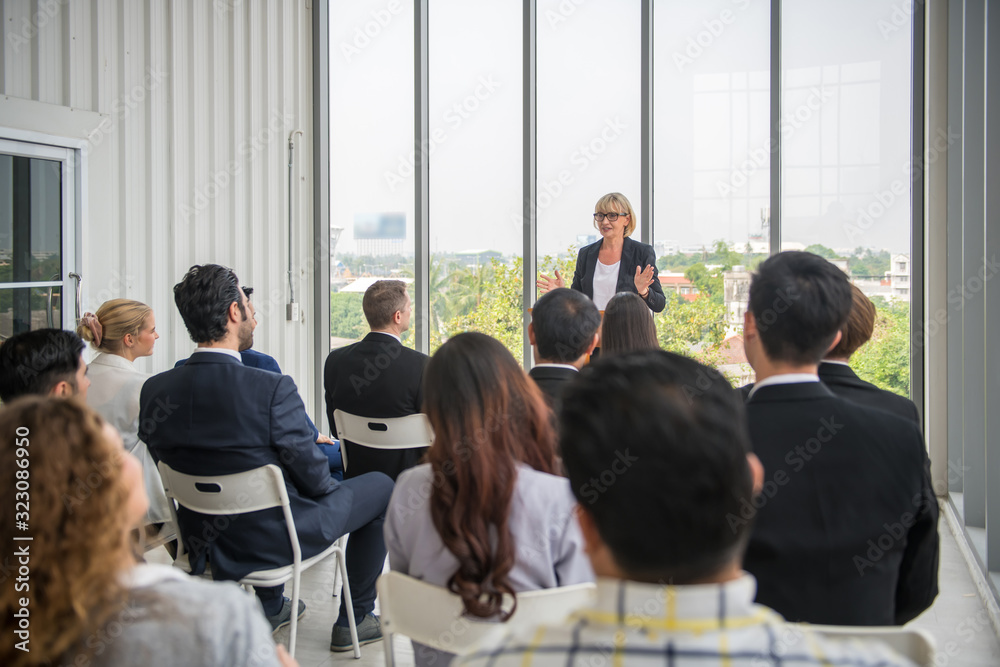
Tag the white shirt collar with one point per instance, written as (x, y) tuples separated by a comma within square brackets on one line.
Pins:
[(221, 350), (557, 366), (787, 378), (386, 333), (839, 363)]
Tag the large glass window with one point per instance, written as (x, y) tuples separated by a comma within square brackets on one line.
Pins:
[(712, 165), (846, 169), (589, 121), (476, 230), (372, 156)]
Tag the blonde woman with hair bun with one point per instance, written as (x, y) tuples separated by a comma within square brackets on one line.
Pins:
[(121, 331)]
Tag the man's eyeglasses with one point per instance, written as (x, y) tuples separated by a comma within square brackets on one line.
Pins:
[(610, 216)]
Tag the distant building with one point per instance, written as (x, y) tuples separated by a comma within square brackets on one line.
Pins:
[(736, 295), (678, 284), (380, 234), (898, 277), (586, 239), (667, 248)]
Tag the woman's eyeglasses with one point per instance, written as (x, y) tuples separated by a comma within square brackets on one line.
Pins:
[(610, 216)]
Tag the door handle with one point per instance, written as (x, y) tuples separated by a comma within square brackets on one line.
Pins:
[(79, 292)]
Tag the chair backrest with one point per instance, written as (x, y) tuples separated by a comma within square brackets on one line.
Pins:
[(917, 645), (239, 493), (390, 433), (435, 616)]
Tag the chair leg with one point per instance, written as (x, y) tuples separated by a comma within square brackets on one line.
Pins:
[(390, 657), (342, 544), (348, 602), (293, 632)]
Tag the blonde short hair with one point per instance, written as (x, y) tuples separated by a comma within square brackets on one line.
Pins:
[(614, 202), (118, 318)]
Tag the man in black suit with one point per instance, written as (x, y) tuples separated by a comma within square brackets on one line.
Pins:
[(378, 377), (835, 373), (562, 332), (846, 524), (215, 416)]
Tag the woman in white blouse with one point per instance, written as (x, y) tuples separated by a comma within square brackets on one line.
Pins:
[(122, 331), (616, 263)]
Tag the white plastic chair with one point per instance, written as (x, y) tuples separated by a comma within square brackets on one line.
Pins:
[(242, 493), (407, 432), (913, 643), (434, 616)]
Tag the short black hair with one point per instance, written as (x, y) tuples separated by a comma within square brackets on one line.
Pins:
[(247, 290), (33, 362), (655, 445), (799, 302), (564, 322), (203, 298)]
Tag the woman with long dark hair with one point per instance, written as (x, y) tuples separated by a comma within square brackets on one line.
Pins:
[(487, 515), (627, 326)]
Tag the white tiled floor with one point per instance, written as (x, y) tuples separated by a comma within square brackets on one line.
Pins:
[(957, 620)]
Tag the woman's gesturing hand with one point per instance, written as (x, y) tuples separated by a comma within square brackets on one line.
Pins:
[(643, 280), (547, 284)]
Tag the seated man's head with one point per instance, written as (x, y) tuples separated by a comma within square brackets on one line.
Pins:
[(859, 327), (798, 304), (658, 457), (387, 306), (46, 362), (563, 327), (214, 308)]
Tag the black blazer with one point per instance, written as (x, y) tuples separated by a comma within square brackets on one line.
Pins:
[(846, 529), (215, 416), (634, 254), (552, 380), (845, 383), (375, 377)]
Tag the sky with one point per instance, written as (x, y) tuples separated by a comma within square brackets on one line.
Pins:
[(845, 120)]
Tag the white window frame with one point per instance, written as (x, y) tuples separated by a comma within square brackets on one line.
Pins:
[(70, 154)]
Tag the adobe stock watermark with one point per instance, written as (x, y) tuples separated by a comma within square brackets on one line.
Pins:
[(20, 35), (123, 106), (562, 13), (363, 35), (585, 154), (760, 157), (898, 19), (894, 534), (957, 297), (913, 171), (592, 489), (454, 118), (796, 458), (704, 39), (246, 152)]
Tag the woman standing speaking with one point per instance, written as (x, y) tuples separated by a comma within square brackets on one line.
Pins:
[(616, 263)]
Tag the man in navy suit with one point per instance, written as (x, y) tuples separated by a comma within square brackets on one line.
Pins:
[(216, 416), (254, 359)]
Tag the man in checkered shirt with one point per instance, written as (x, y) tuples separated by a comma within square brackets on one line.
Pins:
[(658, 455)]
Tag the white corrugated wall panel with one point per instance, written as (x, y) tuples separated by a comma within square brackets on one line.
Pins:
[(189, 163)]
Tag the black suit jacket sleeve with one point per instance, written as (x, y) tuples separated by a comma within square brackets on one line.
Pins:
[(304, 462), (918, 571)]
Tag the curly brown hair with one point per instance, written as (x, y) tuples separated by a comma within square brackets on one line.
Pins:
[(78, 511), (487, 416)]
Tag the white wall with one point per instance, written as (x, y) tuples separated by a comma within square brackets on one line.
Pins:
[(187, 107)]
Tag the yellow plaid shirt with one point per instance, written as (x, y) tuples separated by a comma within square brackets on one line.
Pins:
[(676, 626)]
